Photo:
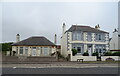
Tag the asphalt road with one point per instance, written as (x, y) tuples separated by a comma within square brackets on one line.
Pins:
[(93, 70)]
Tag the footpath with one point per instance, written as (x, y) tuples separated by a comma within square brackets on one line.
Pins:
[(60, 65)]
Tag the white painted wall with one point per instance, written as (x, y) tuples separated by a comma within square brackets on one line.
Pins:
[(114, 42), (116, 58), (85, 58), (64, 51)]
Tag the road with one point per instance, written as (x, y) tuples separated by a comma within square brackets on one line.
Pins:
[(56, 70), (60, 68)]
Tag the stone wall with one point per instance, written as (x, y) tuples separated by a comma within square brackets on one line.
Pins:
[(24, 59)]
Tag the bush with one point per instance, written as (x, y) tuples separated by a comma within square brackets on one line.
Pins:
[(59, 55), (74, 51), (116, 53), (95, 54), (108, 54), (85, 54)]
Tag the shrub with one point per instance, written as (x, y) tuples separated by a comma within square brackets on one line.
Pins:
[(74, 51), (59, 55), (116, 53), (85, 54), (95, 54), (108, 54)]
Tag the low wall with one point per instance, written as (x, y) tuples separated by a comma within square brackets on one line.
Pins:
[(23, 59), (116, 58), (85, 58)]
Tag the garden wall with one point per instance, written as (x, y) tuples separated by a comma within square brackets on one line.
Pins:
[(85, 58), (116, 58)]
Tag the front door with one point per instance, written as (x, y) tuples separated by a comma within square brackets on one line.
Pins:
[(79, 49), (90, 51), (34, 51)]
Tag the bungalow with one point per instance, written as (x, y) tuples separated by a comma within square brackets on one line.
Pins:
[(33, 46)]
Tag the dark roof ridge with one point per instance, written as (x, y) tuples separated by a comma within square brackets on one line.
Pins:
[(85, 28), (81, 25), (35, 40)]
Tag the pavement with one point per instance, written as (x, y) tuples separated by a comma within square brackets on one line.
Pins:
[(95, 70), (60, 64), (61, 68)]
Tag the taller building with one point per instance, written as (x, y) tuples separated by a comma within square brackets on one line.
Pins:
[(84, 39), (114, 41)]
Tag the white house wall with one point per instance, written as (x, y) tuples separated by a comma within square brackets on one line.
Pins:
[(66, 42), (85, 58), (64, 51), (114, 42)]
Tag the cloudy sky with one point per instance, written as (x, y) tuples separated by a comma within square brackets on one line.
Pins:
[(46, 18)]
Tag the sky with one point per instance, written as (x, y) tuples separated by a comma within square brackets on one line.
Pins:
[(46, 18)]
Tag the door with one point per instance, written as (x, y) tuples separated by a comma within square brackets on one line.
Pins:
[(90, 51), (79, 49), (34, 51)]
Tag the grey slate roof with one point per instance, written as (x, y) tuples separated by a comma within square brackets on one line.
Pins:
[(34, 41), (85, 29)]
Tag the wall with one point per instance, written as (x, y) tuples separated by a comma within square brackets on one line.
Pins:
[(116, 58), (64, 51), (85, 58), (114, 41), (52, 50)]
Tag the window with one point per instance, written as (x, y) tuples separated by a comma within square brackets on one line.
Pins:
[(34, 53), (26, 50), (89, 37), (77, 35), (79, 49), (100, 37), (21, 50)]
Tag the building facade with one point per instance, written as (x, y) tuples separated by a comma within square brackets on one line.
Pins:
[(33, 46), (84, 39), (114, 41)]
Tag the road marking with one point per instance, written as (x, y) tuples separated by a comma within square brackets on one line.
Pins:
[(14, 67)]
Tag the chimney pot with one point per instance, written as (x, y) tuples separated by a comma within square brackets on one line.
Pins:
[(17, 38), (55, 40)]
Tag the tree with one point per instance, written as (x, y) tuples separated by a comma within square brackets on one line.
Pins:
[(116, 53), (74, 51), (108, 54), (6, 46), (85, 54), (95, 54)]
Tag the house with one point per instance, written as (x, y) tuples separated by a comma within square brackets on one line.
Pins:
[(114, 41), (84, 39), (33, 46)]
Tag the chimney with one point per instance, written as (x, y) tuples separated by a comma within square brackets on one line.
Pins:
[(17, 38), (64, 27), (97, 27), (55, 39), (115, 30)]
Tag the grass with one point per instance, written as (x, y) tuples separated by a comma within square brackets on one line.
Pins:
[(97, 62)]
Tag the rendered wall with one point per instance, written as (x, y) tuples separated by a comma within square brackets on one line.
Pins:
[(116, 58), (85, 58)]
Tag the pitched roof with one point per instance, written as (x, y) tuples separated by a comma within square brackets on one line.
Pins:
[(85, 29), (34, 41)]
